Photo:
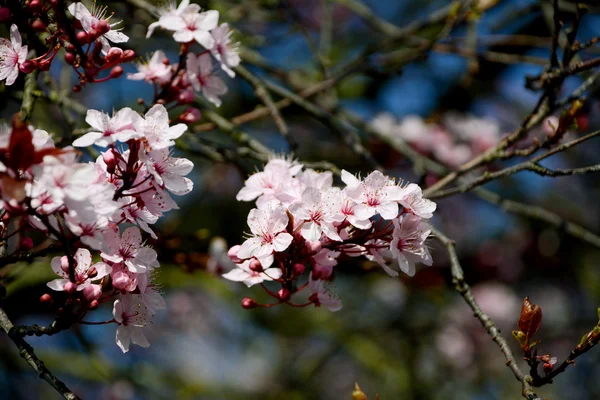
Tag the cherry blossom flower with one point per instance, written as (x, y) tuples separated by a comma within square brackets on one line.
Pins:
[(268, 229), (92, 21), (170, 10), (318, 213), (85, 272), (12, 55), (346, 212), (129, 250), (108, 130), (150, 294), (132, 315), (154, 126), (412, 200), (322, 295), (199, 71), (375, 195), (323, 263), (223, 50), (122, 279), (243, 273), (169, 172), (189, 25), (155, 71), (408, 243)]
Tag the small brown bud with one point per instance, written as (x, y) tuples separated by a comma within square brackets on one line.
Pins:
[(358, 394), (284, 294), (46, 298), (530, 319), (248, 303)]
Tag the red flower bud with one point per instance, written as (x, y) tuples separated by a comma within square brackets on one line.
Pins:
[(38, 25), (26, 244), (548, 367), (190, 115), (284, 294), (69, 58), (249, 303), (46, 298), (83, 37), (256, 266), (92, 292), (77, 88), (113, 54), (111, 161), (5, 15), (116, 72), (298, 269), (35, 6), (185, 97), (128, 55), (102, 27), (44, 65), (93, 305)]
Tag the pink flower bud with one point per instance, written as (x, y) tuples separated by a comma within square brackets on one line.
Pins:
[(249, 303), (284, 294), (93, 305), (232, 254), (5, 14), (35, 6), (93, 34), (26, 244), (102, 27), (256, 266), (190, 115), (77, 88), (111, 161), (82, 37), (185, 97), (70, 58), (120, 280), (92, 292), (44, 65), (313, 247), (38, 25), (550, 124), (128, 55), (113, 54), (116, 72), (298, 269), (70, 287), (46, 298), (28, 66)]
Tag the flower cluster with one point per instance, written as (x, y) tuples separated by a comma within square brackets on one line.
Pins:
[(454, 141), (88, 38), (194, 72), (82, 205), (304, 225)]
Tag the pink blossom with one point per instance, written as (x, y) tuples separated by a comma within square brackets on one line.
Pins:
[(189, 25), (154, 126), (90, 20), (323, 295), (316, 213), (201, 75), (408, 243), (85, 272), (155, 70), (129, 250), (412, 200), (268, 229), (12, 56), (108, 130), (273, 183), (132, 315), (170, 10), (223, 50), (169, 172), (243, 273), (376, 194)]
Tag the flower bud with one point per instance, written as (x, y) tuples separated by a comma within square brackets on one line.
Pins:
[(82, 37), (26, 244), (38, 25), (232, 254), (190, 115), (284, 294), (102, 27), (93, 34), (298, 269), (35, 6), (530, 319), (77, 88), (114, 53), (92, 292), (93, 305), (111, 161), (44, 65), (70, 58), (70, 287), (116, 72), (185, 97), (313, 247), (128, 55), (256, 266), (46, 298), (120, 280), (548, 367), (249, 303), (5, 14)]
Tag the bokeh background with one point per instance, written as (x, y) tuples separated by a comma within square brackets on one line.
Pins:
[(401, 338)]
